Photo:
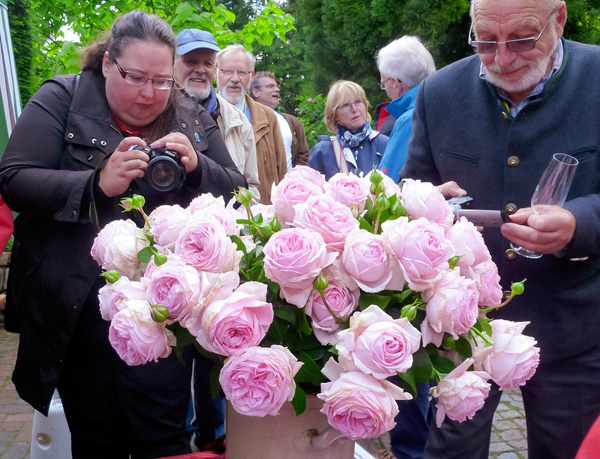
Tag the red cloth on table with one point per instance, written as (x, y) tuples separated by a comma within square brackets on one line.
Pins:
[(214, 450), (590, 447), (6, 224), (202, 455)]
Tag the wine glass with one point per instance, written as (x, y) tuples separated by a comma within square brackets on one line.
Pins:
[(551, 191)]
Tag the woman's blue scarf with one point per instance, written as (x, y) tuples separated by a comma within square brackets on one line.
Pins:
[(349, 139)]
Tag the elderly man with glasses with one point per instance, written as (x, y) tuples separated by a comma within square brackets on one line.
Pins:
[(265, 90), (195, 70), (402, 64), (235, 69), (488, 125)]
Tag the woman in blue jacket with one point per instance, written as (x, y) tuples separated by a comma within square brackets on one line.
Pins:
[(355, 147)]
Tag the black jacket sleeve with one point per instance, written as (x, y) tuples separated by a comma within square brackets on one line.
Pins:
[(33, 176)]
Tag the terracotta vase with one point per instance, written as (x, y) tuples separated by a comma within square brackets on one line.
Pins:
[(308, 436)]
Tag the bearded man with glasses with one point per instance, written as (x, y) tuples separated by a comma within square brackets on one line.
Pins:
[(235, 69), (488, 125)]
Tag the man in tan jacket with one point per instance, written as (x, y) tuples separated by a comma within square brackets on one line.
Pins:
[(235, 69)]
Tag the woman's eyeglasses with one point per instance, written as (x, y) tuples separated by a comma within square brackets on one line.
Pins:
[(519, 45), (140, 80), (348, 105)]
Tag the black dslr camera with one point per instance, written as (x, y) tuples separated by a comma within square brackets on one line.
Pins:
[(165, 171), (461, 207)]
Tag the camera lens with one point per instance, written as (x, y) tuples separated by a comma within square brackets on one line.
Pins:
[(163, 173)]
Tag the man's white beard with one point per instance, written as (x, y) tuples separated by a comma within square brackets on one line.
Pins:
[(233, 100), (194, 90), (530, 80)]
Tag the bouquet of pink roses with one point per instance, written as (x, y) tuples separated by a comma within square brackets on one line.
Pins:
[(337, 286)]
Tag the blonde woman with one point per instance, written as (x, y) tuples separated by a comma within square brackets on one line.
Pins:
[(355, 147)]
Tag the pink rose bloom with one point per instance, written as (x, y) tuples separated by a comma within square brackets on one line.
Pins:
[(487, 280), (327, 217), (423, 200), (215, 287), (371, 262), (237, 322), (207, 204), (461, 393), (151, 265), (259, 380), (337, 272), (227, 218), (348, 190), (513, 359), (341, 301), (422, 249), (468, 243), (360, 406), (136, 337), (377, 344), (112, 296), (451, 307), (293, 258), (116, 247), (307, 173), (204, 244), (166, 223), (288, 193), (174, 285)]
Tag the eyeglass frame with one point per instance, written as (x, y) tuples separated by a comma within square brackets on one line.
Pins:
[(124, 74), (382, 83), (348, 105), (268, 86), (508, 43), (240, 73)]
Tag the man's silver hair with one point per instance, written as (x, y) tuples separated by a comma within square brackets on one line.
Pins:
[(237, 47), (551, 3), (406, 59)]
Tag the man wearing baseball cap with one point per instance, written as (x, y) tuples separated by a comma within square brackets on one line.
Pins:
[(195, 67)]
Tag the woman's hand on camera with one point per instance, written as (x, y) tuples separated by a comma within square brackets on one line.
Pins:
[(122, 167), (179, 143)]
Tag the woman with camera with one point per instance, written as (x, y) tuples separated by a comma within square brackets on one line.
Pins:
[(68, 163)]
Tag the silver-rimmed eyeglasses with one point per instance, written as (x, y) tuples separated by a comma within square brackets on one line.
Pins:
[(519, 45), (229, 72), (348, 105), (269, 86), (137, 79), (382, 83)]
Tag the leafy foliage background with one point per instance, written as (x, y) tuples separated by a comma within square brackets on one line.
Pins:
[(307, 43)]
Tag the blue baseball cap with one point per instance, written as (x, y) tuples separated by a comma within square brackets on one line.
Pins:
[(191, 39)]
